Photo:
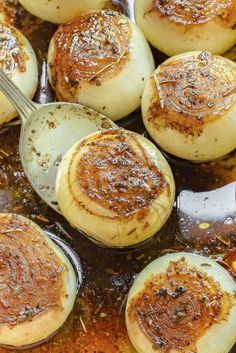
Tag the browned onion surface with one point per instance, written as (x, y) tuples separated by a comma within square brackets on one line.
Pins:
[(189, 12), (92, 48), (175, 308), (11, 53), (30, 273), (190, 91), (116, 173)]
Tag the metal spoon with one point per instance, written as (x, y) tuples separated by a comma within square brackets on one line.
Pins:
[(47, 133)]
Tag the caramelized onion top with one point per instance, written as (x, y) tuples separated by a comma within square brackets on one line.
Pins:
[(94, 47), (30, 272), (190, 12), (115, 172), (11, 54), (176, 307), (192, 90)]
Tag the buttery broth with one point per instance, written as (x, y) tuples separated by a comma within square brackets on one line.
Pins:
[(203, 221)]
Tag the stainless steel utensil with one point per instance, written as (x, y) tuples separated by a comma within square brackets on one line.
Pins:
[(47, 133)]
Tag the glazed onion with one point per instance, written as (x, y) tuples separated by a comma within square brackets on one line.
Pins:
[(116, 187), (182, 303), (60, 11), (37, 282), (189, 106), (176, 27), (18, 61), (102, 60)]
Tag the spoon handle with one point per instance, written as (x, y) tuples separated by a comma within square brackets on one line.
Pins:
[(22, 104)]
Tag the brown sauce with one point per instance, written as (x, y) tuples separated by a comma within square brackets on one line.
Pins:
[(97, 322)]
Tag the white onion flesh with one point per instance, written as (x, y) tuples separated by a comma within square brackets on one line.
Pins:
[(219, 337), (189, 106), (174, 28), (60, 11), (18, 61), (126, 209), (38, 283), (102, 60)]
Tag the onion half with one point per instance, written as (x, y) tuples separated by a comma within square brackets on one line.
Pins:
[(60, 11), (182, 303), (38, 284), (102, 60), (189, 106), (18, 61), (176, 27), (116, 187)]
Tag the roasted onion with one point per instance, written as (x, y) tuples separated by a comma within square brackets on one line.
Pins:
[(37, 283), (189, 106), (102, 60), (18, 61), (60, 11), (116, 187), (176, 27), (182, 303)]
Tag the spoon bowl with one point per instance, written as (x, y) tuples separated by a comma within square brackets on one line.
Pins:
[(47, 133)]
